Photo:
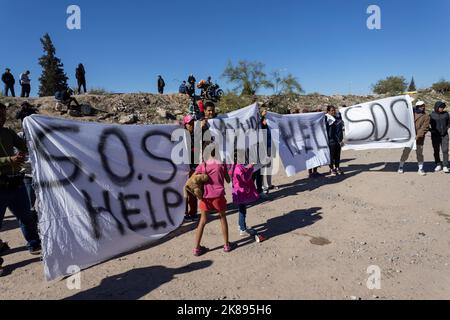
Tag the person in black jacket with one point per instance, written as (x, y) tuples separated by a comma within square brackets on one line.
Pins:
[(9, 81), (161, 85), (440, 123), (335, 132), (80, 74)]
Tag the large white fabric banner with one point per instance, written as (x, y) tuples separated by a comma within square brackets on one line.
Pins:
[(301, 140), (102, 189), (241, 127), (380, 124)]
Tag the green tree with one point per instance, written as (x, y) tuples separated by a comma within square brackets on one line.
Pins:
[(390, 85), (53, 77), (248, 76), (290, 85), (441, 86), (412, 86)]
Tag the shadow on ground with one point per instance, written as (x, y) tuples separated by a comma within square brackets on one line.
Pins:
[(136, 283)]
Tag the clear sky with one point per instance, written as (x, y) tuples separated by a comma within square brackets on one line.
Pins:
[(124, 45)]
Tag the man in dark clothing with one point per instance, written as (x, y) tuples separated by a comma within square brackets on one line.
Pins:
[(26, 109), (80, 74), (161, 85), (9, 81), (191, 86), (335, 137), (13, 193), (440, 123)]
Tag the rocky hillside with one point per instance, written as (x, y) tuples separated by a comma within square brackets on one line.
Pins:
[(151, 108)]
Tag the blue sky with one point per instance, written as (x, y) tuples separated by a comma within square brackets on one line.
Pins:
[(124, 45)]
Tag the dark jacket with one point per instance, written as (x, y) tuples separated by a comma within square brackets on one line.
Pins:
[(8, 79), (440, 123), (80, 74), (335, 131), (161, 83)]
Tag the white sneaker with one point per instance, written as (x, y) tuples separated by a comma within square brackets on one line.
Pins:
[(400, 170), (248, 232), (446, 170), (422, 173), (438, 169)]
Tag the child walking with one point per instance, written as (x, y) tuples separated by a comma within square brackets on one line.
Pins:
[(213, 200), (244, 192)]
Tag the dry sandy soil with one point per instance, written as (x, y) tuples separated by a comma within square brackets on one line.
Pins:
[(322, 234)]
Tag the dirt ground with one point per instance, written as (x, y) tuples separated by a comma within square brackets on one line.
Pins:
[(323, 234)]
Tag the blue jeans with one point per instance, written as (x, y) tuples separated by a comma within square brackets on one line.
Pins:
[(242, 215), (17, 201)]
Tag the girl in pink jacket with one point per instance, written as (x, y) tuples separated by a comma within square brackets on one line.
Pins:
[(244, 192)]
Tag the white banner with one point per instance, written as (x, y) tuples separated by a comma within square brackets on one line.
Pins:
[(242, 125), (102, 189), (301, 139), (380, 124)]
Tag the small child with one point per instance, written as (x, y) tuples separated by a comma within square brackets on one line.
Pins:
[(213, 200), (244, 192)]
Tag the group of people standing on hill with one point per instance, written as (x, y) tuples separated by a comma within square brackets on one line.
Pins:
[(25, 82)]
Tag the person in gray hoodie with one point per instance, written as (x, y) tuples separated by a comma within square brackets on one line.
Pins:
[(440, 123)]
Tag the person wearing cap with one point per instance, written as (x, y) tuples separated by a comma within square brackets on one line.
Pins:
[(25, 83), (422, 124), (13, 193), (9, 81), (191, 203), (161, 84), (440, 123)]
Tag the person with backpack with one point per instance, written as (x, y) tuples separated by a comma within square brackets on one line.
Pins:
[(9, 81), (25, 83), (161, 85), (422, 123), (80, 74), (440, 123)]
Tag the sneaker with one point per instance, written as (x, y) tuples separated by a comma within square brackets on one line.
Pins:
[(446, 170), (333, 173), (422, 173), (340, 172), (248, 232), (438, 169), (400, 170), (36, 251)]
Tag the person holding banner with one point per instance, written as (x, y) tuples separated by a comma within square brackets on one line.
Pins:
[(213, 198), (335, 137), (422, 123), (13, 193), (191, 203), (440, 123)]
